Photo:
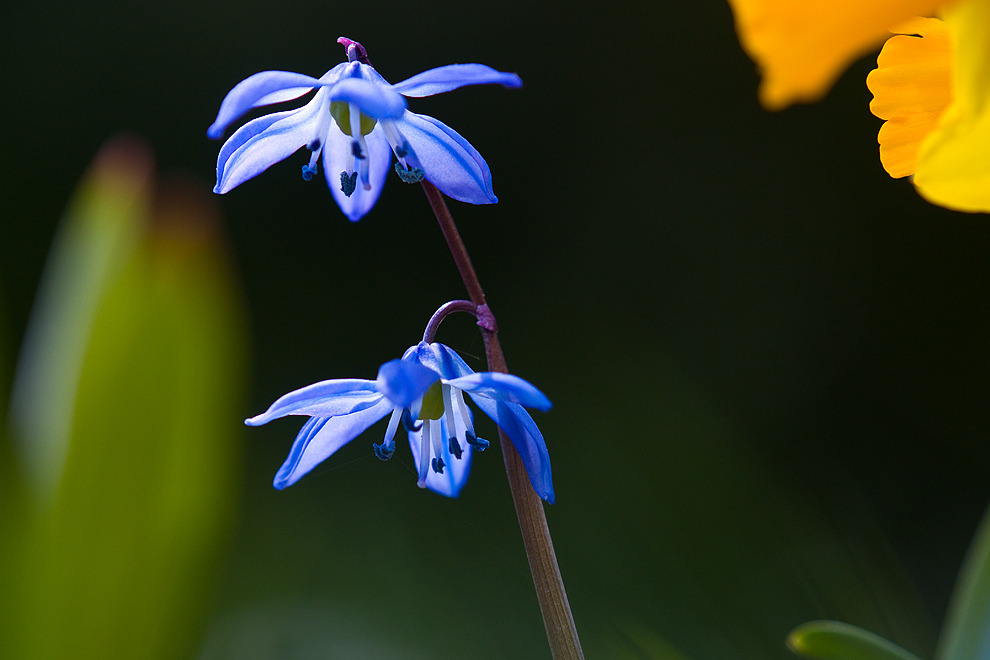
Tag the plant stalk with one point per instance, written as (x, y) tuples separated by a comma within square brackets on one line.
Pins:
[(557, 618)]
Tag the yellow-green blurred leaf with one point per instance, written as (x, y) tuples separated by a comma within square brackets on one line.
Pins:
[(834, 640), (121, 560), (95, 239)]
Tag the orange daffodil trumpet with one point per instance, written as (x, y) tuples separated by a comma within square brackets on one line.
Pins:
[(932, 84), (911, 89)]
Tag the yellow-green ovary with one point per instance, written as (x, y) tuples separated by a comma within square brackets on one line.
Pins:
[(341, 112), (432, 403)]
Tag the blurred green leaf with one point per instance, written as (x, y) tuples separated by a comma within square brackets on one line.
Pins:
[(94, 240), (834, 640), (966, 634), (120, 562)]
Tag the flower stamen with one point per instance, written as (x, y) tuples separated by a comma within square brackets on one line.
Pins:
[(453, 446), (424, 454), (478, 443), (385, 450), (347, 183)]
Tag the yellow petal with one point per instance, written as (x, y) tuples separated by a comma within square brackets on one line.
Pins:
[(911, 89), (801, 46), (954, 160)]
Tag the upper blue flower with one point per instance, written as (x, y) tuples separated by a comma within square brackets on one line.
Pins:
[(356, 120), (423, 390)]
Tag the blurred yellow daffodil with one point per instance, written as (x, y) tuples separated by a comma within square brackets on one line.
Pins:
[(801, 46), (932, 82)]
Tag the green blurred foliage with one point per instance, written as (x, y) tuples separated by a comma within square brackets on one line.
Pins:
[(834, 640), (119, 562), (966, 634)]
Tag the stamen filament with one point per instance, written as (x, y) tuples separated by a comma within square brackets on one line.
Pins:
[(448, 413), (458, 396), (424, 453), (393, 424), (360, 147), (436, 430)]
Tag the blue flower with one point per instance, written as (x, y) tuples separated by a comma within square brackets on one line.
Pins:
[(424, 391), (356, 120)]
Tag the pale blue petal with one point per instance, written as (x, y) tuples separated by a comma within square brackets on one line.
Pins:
[(324, 399), (259, 144), (320, 437), (449, 161), (254, 91), (504, 387), (404, 382), (455, 472), (445, 78), (333, 75), (526, 438), (374, 99), (336, 158)]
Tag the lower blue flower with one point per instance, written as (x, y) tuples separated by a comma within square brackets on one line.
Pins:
[(424, 391)]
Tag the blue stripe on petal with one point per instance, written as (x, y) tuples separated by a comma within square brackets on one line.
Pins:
[(445, 78), (324, 399), (254, 91), (448, 363), (450, 162), (526, 438), (320, 439), (259, 144), (504, 387)]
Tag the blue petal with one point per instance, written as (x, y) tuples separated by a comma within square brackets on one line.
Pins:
[(374, 99), (327, 398), (404, 382), (450, 162), (254, 91), (526, 438), (337, 157), (455, 472), (320, 437), (262, 142), (504, 387), (440, 358), (445, 78)]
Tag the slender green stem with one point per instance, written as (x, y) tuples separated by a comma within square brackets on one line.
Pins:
[(557, 618)]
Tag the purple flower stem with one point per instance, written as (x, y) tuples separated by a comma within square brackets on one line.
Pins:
[(557, 618)]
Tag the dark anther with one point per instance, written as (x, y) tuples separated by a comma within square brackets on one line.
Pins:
[(454, 447), (347, 183), (356, 150), (478, 443), (384, 451), (413, 175), (314, 145), (401, 152), (408, 423), (437, 464)]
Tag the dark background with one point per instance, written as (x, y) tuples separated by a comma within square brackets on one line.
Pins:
[(768, 360)]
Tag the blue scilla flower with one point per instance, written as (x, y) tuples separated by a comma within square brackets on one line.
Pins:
[(356, 120), (424, 391)]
